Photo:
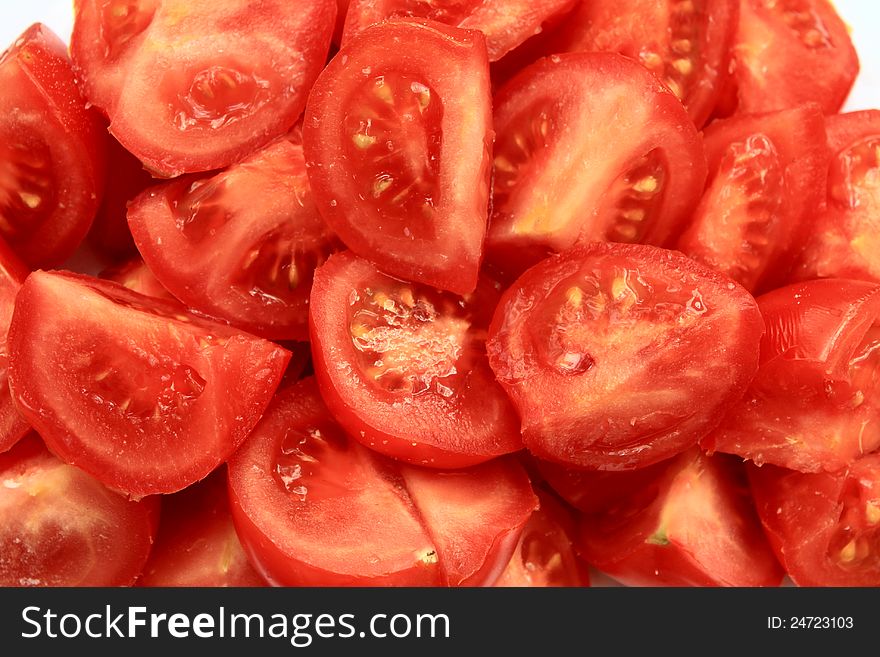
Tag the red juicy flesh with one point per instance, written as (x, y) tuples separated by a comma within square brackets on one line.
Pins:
[(137, 277), (12, 275)]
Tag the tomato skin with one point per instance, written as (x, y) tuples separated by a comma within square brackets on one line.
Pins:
[(767, 177), (44, 119), (447, 254), (781, 62), (552, 194), (812, 405), (457, 421), (12, 275), (809, 518), (578, 329), (696, 526), (61, 527), (168, 396)]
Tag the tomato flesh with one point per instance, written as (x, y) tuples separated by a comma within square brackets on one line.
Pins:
[(12, 275), (137, 277)]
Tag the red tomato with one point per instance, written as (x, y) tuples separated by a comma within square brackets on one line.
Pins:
[(846, 238), (61, 527), (12, 275), (620, 355), (403, 367), (685, 43), (241, 245), (767, 177), (52, 155), (506, 23), (790, 52), (815, 402), (590, 147), (696, 526), (134, 391), (193, 85), (545, 553), (397, 137), (136, 276), (313, 507), (197, 544), (341, 13), (823, 526)]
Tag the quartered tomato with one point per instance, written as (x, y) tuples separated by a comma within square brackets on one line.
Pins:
[(12, 275), (193, 85), (590, 147), (61, 527), (403, 367), (314, 507), (825, 527), (790, 52), (766, 181), (139, 394), (695, 526), (506, 23), (814, 403), (52, 155), (685, 43), (197, 544), (241, 245), (545, 554), (846, 238), (620, 355), (136, 276), (397, 137)]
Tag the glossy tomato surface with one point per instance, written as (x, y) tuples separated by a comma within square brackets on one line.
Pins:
[(619, 356), (403, 367), (12, 275), (133, 390), (397, 137)]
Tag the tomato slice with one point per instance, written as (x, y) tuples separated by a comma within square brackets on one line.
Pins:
[(506, 23), (61, 527), (590, 147), (241, 245), (620, 355), (52, 156), (825, 527), (197, 544), (397, 137), (767, 177), (139, 394), (845, 239), (137, 277), (814, 403), (790, 52), (314, 507), (12, 275), (197, 85), (696, 526), (545, 555), (685, 43), (403, 367)]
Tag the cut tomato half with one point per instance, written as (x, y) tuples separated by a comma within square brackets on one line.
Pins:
[(397, 137), (138, 393)]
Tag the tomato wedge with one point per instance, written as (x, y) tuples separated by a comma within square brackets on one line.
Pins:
[(197, 544), (845, 240), (685, 43), (506, 23), (136, 276), (814, 403), (397, 137), (696, 526), (790, 52), (61, 527), (241, 245), (403, 367), (12, 275), (315, 508), (621, 355), (824, 527), (134, 391), (590, 147), (767, 178), (52, 159), (197, 85)]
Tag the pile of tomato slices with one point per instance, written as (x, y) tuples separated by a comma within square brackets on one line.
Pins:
[(438, 294)]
